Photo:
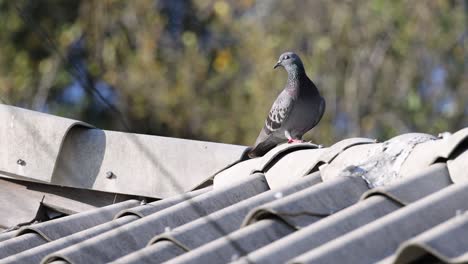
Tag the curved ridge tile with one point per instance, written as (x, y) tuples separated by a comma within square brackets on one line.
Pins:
[(379, 166), (292, 167), (236, 173), (411, 188), (430, 152), (423, 155), (458, 165), (452, 142), (280, 151), (336, 149), (339, 146), (384, 168), (32, 142), (350, 157), (261, 164)]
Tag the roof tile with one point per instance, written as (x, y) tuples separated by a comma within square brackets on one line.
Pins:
[(447, 241), (358, 215), (40, 137), (242, 241), (458, 165), (18, 244), (264, 210), (296, 164), (379, 239), (222, 222), (261, 164), (314, 203), (55, 229), (135, 235)]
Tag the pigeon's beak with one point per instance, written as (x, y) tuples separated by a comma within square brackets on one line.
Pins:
[(277, 65)]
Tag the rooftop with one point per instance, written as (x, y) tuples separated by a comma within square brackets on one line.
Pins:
[(76, 194)]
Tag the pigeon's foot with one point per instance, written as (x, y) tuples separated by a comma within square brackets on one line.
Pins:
[(293, 140)]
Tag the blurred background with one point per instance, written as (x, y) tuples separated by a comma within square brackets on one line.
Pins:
[(204, 69)]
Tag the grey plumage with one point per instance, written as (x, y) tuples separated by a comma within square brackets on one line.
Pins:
[(298, 108)]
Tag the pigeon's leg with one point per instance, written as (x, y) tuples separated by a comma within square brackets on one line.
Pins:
[(288, 136), (295, 140), (291, 139)]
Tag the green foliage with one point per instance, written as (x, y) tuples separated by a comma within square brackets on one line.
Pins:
[(203, 69)]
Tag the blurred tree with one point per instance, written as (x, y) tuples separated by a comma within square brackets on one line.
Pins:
[(203, 69)]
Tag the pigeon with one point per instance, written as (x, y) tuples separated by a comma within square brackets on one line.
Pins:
[(298, 108)]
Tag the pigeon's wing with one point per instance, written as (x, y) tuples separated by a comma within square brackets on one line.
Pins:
[(279, 113), (321, 110), (277, 116)]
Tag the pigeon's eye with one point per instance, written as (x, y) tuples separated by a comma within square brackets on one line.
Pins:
[(285, 57)]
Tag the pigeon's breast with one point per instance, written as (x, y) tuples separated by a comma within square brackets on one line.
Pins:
[(304, 115)]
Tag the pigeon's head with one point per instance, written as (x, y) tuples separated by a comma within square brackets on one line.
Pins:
[(289, 60)]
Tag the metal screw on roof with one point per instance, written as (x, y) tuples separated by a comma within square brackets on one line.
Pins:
[(459, 212), (444, 135), (167, 229), (143, 202), (21, 162), (278, 195), (376, 140), (109, 174), (320, 146)]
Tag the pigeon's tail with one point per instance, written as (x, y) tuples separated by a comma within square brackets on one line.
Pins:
[(261, 149)]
